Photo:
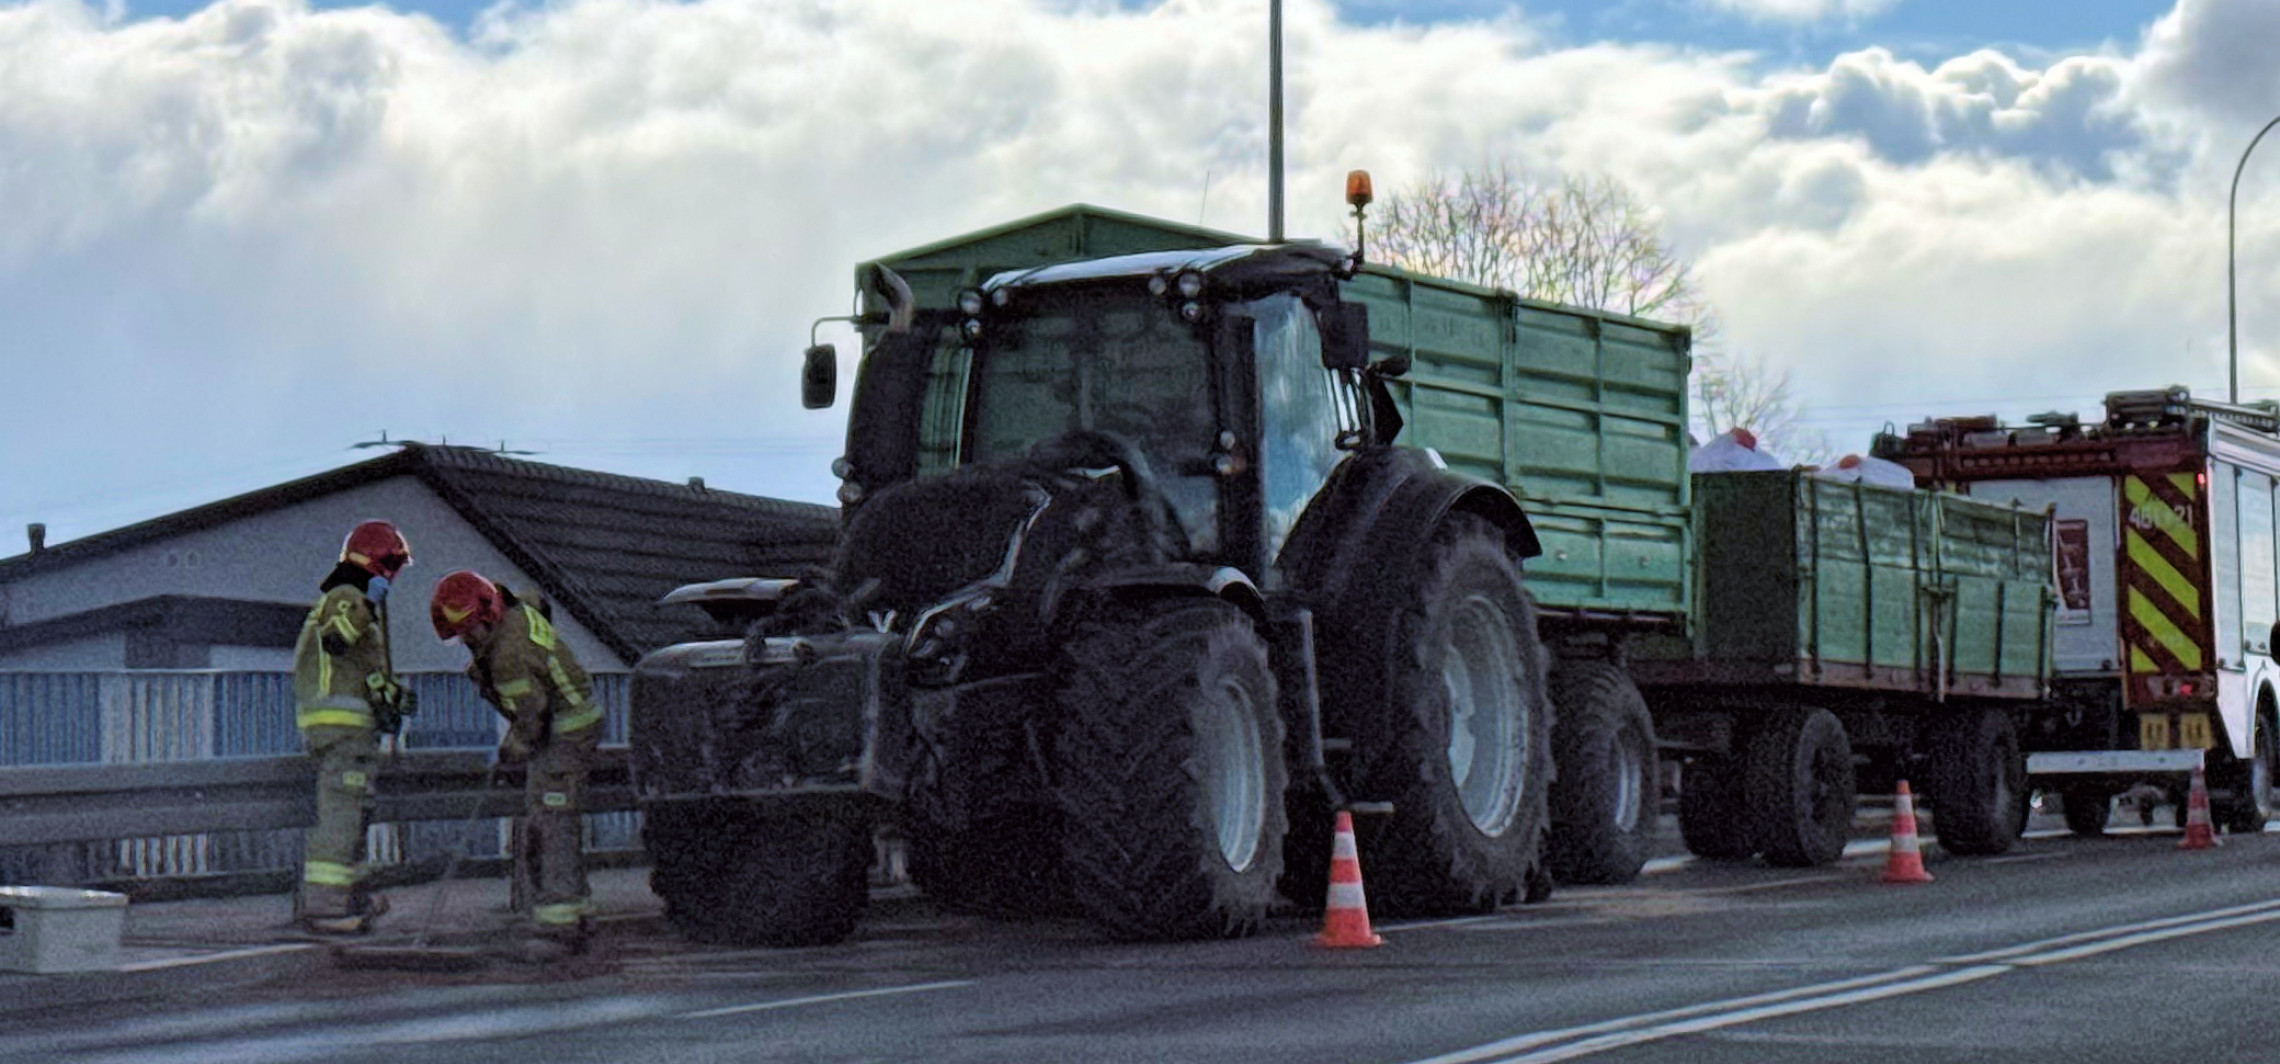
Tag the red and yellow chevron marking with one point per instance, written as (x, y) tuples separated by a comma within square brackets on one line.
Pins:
[(2164, 609)]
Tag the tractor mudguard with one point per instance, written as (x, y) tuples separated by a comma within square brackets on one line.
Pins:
[(1378, 507), (1164, 578)]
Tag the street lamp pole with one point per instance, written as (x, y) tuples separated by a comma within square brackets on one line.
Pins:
[(2232, 312), (1274, 123)]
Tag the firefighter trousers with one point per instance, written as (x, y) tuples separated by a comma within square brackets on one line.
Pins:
[(554, 797), (332, 860)]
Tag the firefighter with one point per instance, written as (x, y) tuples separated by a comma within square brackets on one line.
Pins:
[(525, 670), (346, 697)]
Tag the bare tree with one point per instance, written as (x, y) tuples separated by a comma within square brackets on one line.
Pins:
[(1586, 241)]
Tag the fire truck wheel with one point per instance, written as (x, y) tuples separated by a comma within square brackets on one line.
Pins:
[(1604, 800), (1169, 764), (1711, 817), (1455, 730), (2087, 807), (1799, 784), (2252, 804), (1978, 781)]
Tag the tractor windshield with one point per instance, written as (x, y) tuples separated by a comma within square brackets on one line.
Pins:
[(1103, 358)]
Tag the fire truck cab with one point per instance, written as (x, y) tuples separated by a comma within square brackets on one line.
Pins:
[(2162, 519)]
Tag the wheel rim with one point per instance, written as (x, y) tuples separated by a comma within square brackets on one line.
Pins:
[(1628, 763), (1233, 783), (1481, 676), (1824, 790)]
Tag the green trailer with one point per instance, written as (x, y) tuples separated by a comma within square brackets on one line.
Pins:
[(1846, 627)]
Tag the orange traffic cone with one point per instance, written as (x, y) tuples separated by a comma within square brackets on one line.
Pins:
[(1346, 916), (2200, 834), (1906, 863)]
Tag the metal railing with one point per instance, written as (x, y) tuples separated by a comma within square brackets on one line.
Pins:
[(144, 774)]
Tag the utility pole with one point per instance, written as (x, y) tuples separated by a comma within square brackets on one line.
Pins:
[(1274, 123)]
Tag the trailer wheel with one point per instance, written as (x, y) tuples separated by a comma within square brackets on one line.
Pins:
[(2086, 807), (1979, 781), (2252, 785), (786, 877), (1604, 801), (1169, 763), (1458, 732), (1800, 788), (1712, 818)]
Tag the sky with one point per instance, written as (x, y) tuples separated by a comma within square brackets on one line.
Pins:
[(239, 238)]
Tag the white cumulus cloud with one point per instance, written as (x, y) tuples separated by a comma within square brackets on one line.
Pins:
[(1803, 10), (251, 236)]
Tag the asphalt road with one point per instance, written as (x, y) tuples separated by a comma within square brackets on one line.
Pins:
[(2117, 949)]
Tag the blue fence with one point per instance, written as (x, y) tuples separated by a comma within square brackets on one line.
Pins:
[(170, 715)]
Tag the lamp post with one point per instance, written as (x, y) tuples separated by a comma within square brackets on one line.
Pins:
[(2232, 311), (1274, 123)]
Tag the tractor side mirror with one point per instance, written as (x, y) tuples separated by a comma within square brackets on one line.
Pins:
[(1346, 337), (819, 378)]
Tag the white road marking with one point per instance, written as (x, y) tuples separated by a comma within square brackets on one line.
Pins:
[(819, 999), (1542, 1047), (1497, 1050)]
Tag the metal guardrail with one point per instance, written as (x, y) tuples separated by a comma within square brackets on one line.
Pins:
[(42, 804)]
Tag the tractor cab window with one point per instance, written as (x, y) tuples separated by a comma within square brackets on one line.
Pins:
[(1300, 411), (1103, 358)]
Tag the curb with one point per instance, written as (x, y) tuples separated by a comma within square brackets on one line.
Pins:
[(197, 972)]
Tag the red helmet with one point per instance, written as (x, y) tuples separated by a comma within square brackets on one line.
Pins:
[(377, 548), (462, 600)]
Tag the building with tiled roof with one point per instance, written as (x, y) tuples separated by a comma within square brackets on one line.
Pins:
[(224, 586)]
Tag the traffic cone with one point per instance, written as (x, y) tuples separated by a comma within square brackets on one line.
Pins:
[(1346, 916), (2200, 834), (1906, 862)]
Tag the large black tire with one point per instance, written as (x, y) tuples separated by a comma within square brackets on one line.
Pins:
[(1456, 733), (1800, 788), (1978, 781), (1169, 762), (2249, 782), (1712, 817), (685, 845), (787, 877), (1605, 799), (2086, 807)]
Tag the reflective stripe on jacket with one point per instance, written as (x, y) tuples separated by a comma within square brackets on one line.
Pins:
[(534, 679), (340, 661)]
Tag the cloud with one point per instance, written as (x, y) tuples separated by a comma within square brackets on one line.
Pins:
[(261, 232), (1803, 10)]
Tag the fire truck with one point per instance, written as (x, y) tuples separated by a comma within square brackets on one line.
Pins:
[(2162, 526)]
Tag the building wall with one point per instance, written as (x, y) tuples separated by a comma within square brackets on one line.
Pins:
[(280, 556)]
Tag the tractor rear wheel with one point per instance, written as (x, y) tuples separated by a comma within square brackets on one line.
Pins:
[(1455, 731)]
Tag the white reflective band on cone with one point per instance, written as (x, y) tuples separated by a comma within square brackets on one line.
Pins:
[(1346, 896)]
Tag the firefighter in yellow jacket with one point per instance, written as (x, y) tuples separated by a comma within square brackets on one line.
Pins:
[(526, 670), (346, 697)]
